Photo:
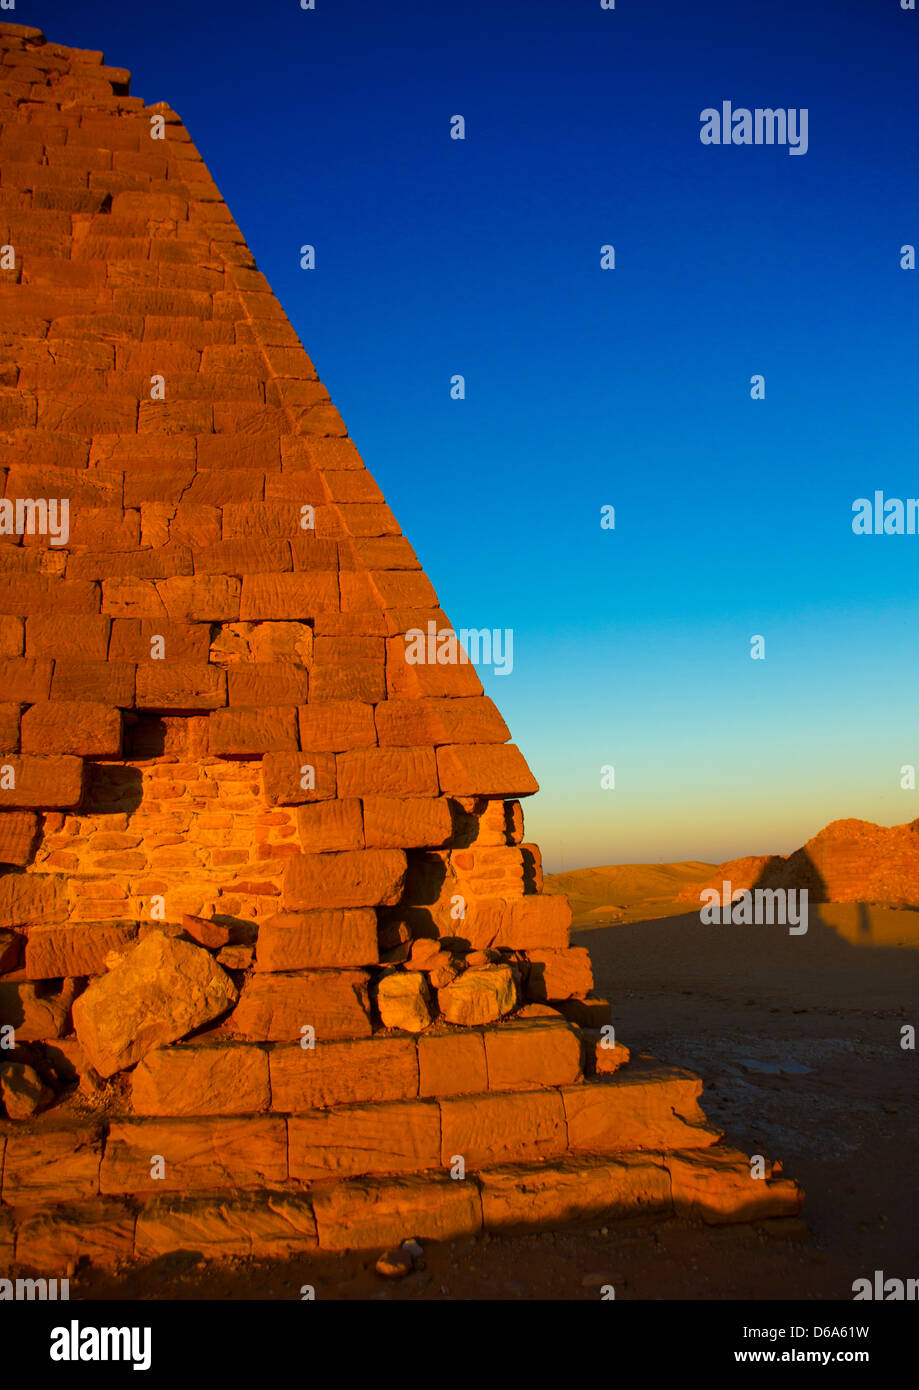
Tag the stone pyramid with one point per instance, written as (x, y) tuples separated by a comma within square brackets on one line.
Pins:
[(276, 969)]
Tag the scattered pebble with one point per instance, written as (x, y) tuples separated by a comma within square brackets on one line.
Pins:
[(394, 1264)]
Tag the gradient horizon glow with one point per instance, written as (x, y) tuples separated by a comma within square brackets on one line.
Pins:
[(628, 387)]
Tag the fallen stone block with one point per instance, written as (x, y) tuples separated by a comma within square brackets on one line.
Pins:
[(159, 992), (34, 1013)]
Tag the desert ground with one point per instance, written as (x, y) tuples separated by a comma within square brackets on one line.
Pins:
[(797, 1040)]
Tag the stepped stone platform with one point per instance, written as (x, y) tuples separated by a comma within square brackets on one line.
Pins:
[(276, 968)]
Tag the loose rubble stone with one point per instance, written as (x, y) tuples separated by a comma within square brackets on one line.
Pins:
[(403, 1001), (213, 935), (395, 1263), (22, 1090), (477, 996)]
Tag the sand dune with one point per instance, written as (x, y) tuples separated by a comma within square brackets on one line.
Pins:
[(627, 892)]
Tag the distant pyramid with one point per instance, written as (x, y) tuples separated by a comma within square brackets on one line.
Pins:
[(277, 970), (848, 861)]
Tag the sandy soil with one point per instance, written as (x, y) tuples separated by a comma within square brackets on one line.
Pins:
[(798, 1043)]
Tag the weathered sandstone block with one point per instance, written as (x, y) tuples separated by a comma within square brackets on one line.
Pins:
[(343, 1073), (293, 778), (227, 1079), (88, 730), (267, 683), (336, 726), (716, 1185), (247, 732), (549, 1194), (52, 1165), (432, 721), (36, 1016), (403, 999), (311, 940), (22, 1091), (55, 952), (495, 770), (100, 1230), (25, 681), (393, 1137), (533, 922), (392, 822), (451, 1064), (31, 899), (400, 772), (160, 991), (361, 878), (180, 685), (503, 1127), (559, 974), (363, 1213), (199, 1155), (330, 825), (10, 717), (43, 782), (479, 995), (298, 596), (279, 1008), (644, 1106), (535, 1053), (18, 830), (267, 1226)]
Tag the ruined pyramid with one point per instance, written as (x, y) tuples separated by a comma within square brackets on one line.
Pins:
[(276, 970)]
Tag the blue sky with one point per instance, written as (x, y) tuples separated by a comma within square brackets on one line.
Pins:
[(629, 387)]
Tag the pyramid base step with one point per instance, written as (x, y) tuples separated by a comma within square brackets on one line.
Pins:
[(713, 1185)]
